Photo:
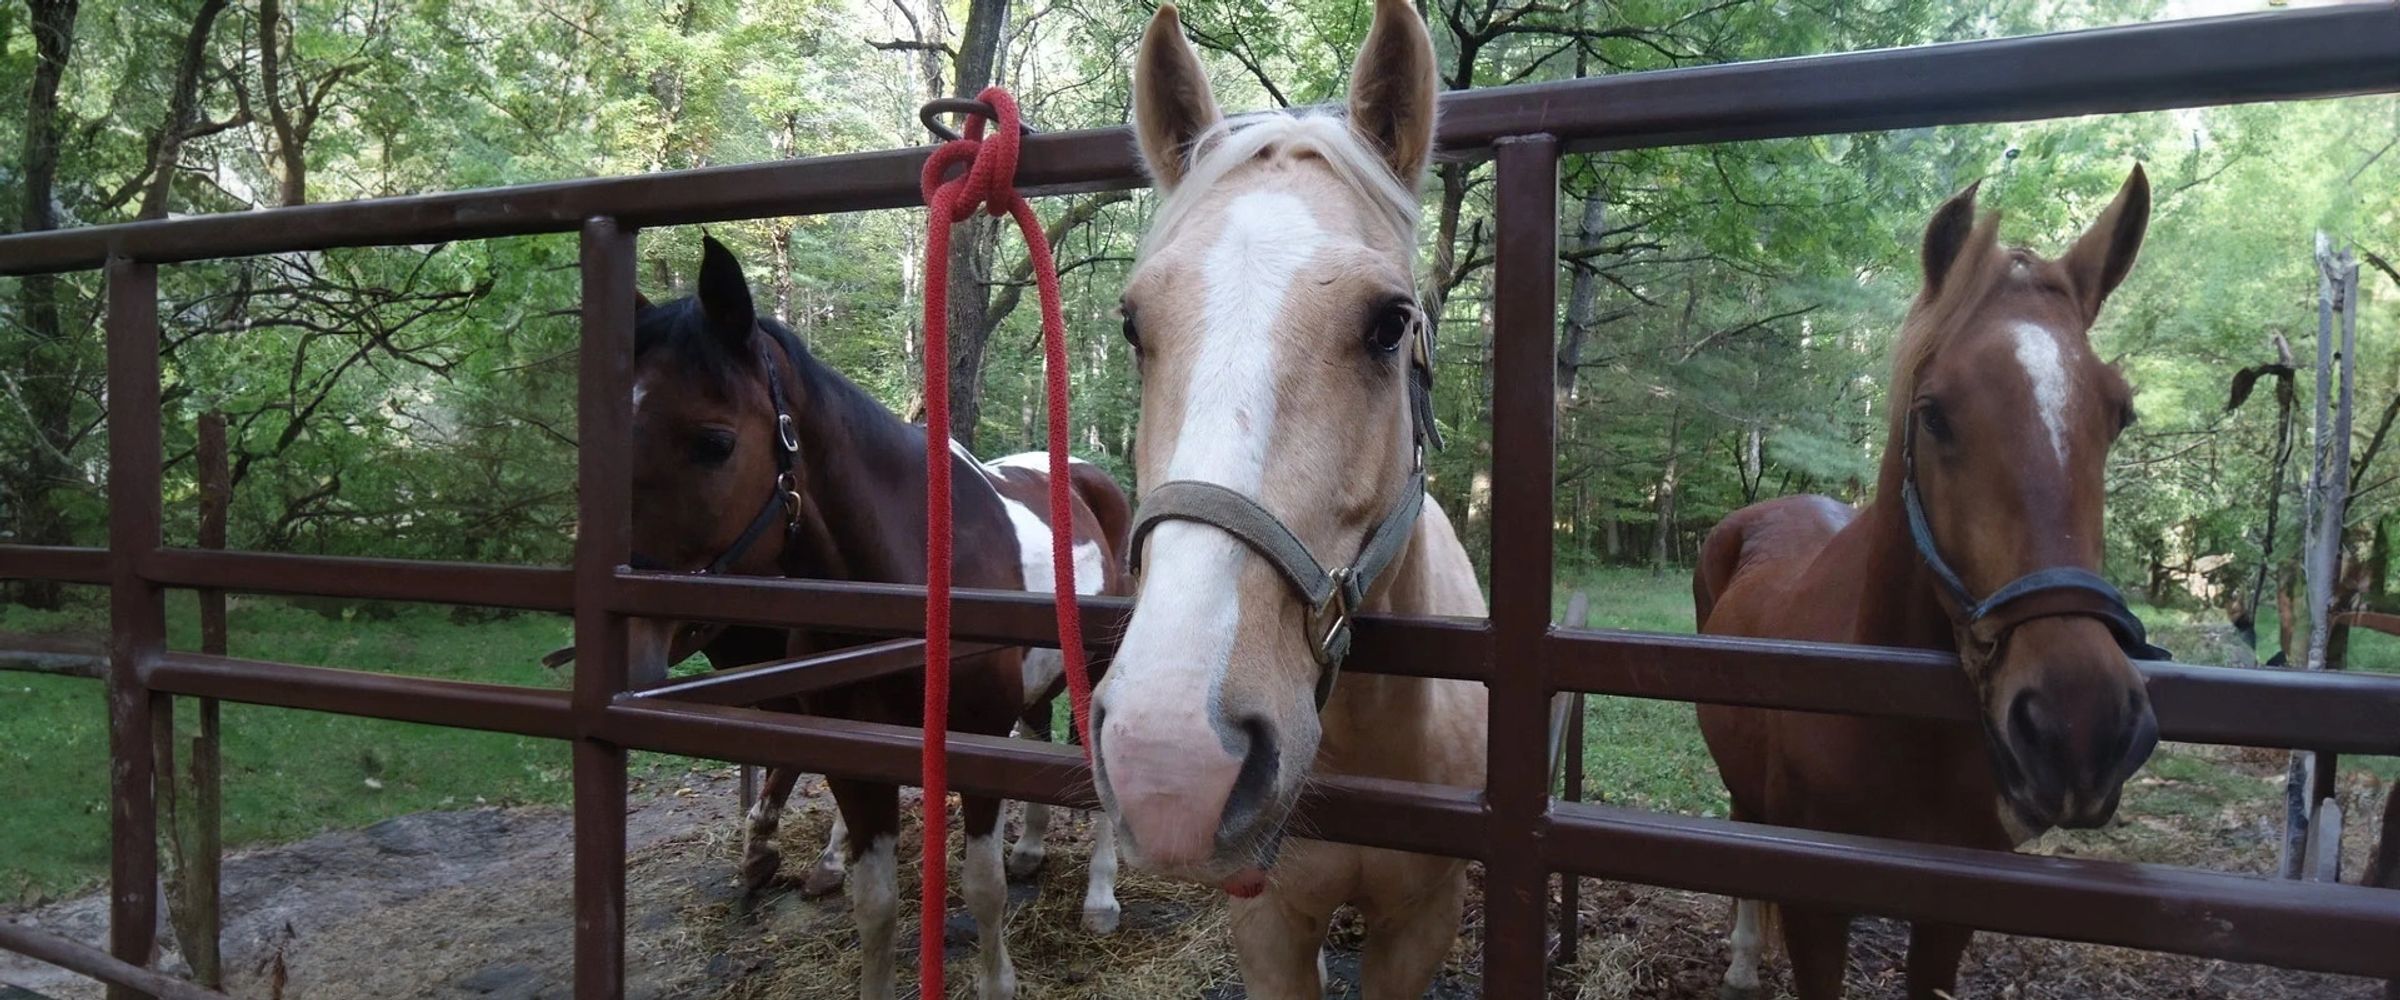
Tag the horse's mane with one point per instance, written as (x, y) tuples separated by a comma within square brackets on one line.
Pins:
[(679, 328), (1938, 313), (1232, 142)]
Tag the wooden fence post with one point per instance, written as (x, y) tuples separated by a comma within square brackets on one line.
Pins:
[(195, 836)]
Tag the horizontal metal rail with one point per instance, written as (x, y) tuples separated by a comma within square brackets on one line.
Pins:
[(763, 682), (2284, 709), (532, 588), (2284, 55), (85, 960), (1409, 646), (1391, 814), (54, 562), (498, 708), (2303, 710), (2327, 928)]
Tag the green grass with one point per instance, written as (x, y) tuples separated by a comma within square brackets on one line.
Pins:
[(288, 774), (1637, 751)]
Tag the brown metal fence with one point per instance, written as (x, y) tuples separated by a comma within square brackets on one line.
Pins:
[(1520, 834)]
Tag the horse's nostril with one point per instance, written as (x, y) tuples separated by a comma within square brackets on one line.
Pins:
[(1253, 785), (2027, 719)]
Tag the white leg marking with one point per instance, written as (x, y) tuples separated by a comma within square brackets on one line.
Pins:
[(987, 898), (2038, 352), (830, 861), (1026, 855), (875, 906), (1741, 969), (1101, 911)]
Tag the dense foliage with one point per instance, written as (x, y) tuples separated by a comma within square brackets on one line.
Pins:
[(1726, 308)]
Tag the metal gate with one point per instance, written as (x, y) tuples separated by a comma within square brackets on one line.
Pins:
[(1521, 835)]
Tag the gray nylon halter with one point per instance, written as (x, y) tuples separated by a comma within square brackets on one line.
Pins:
[(1329, 595)]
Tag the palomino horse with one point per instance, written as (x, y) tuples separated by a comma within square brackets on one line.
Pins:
[(1284, 420), (1982, 540), (752, 457)]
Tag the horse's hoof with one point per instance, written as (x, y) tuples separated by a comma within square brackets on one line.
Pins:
[(1024, 864), (822, 881), (1728, 991), (759, 868), (1102, 920)]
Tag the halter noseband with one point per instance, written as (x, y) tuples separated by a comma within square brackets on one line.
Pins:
[(2050, 592), (788, 497), (1330, 596)]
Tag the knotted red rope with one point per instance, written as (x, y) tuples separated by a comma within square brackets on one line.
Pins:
[(987, 183)]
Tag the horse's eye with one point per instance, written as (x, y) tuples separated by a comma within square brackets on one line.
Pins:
[(1929, 414), (1391, 327), (712, 447), (1133, 333)]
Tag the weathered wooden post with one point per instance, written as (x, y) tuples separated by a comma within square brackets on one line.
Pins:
[(2328, 508), (195, 835)]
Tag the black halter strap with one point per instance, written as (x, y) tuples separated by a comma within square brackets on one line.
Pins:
[(784, 503), (2049, 592), (1330, 596)]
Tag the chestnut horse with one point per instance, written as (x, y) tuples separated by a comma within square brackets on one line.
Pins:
[(1284, 419), (1983, 540), (752, 457)]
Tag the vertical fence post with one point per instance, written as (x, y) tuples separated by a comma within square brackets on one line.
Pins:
[(603, 542), (1569, 747), (189, 801), (137, 612), (1517, 773)]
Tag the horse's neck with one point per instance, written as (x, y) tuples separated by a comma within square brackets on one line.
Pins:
[(865, 476), (1876, 554), (1378, 722)]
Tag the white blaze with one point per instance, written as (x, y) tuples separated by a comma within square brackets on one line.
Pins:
[(1228, 424), (2045, 365)]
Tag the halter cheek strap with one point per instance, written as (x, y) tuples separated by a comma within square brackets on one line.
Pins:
[(2050, 592), (1330, 596)]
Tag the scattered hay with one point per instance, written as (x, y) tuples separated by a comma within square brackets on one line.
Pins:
[(1171, 943)]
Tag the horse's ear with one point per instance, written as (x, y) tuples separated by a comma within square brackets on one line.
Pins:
[(2105, 253), (725, 294), (1392, 88), (1947, 234), (1172, 104)]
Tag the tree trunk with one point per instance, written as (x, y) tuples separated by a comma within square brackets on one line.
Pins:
[(290, 143), (1583, 294), (1664, 544), (49, 400), (973, 242), (183, 107)]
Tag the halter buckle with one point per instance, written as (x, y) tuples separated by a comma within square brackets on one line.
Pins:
[(786, 434), (1329, 621), (788, 485)]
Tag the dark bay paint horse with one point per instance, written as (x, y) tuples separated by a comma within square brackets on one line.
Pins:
[(1982, 539), (752, 457)]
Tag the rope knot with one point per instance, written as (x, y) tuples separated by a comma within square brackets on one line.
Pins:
[(988, 181)]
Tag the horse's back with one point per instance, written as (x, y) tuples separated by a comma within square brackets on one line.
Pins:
[(1746, 585), (1759, 549)]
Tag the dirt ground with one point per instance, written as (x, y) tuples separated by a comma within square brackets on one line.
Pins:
[(477, 904)]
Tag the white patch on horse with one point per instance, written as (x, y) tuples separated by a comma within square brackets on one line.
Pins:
[(2045, 365), (1101, 911), (1031, 461), (1033, 553), (875, 907), (1228, 425), (986, 889), (1749, 937)]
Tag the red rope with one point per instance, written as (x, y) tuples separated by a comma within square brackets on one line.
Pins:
[(987, 183)]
